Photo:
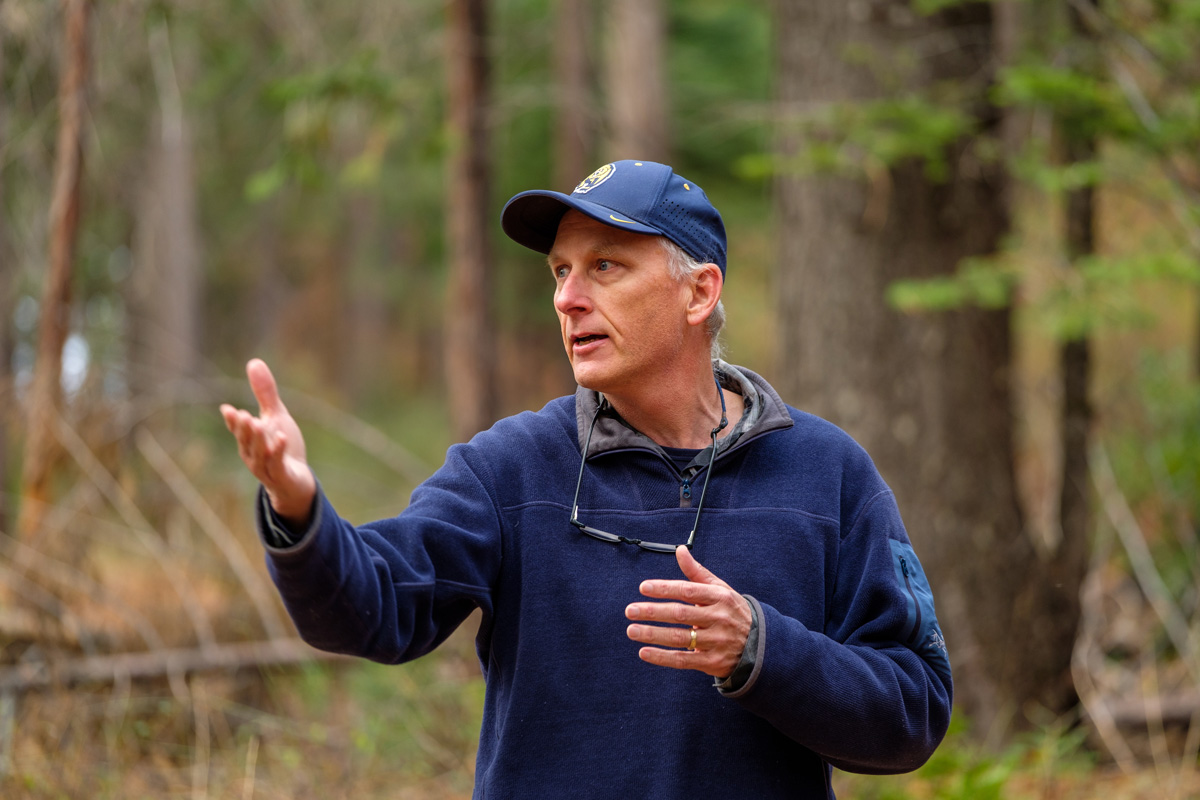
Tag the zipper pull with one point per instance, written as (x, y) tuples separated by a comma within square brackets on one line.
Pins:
[(686, 489), (904, 566)]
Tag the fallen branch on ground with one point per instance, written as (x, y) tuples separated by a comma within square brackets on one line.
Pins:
[(1177, 708), (35, 676)]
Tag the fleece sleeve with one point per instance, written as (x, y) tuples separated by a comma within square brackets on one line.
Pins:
[(872, 692), (393, 590)]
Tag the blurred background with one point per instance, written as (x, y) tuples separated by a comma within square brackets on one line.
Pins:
[(966, 232)]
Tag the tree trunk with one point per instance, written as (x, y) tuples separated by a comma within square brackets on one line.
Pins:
[(469, 322), (166, 283), (575, 97), (927, 395), (636, 89), (8, 296), (1075, 365), (44, 400)]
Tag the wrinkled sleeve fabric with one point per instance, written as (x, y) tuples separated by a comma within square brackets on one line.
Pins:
[(394, 589), (872, 692)]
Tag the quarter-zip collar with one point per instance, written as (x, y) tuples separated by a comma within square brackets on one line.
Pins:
[(764, 412)]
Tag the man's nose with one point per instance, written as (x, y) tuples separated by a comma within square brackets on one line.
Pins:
[(572, 294)]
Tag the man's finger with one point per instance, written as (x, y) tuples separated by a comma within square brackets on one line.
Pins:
[(238, 422), (672, 613), (705, 662), (262, 383), (693, 592), (229, 414), (694, 570), (676, 659), (659, 635)]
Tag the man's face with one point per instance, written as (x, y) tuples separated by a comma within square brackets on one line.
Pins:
[(622, 314)]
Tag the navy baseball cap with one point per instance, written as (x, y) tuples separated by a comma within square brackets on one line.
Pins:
[(638, 196)]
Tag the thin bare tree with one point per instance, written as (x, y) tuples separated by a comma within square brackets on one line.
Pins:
[(44, 399), (635, 81), (8, 290), (1075, 497), (470, 329), (575, 93), (166, 280)]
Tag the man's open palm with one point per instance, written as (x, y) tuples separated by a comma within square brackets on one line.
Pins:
[(273, 448)]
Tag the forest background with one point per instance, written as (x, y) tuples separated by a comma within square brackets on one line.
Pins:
[(966, 232)]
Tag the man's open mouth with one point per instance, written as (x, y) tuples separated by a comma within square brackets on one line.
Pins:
[(589, 337)]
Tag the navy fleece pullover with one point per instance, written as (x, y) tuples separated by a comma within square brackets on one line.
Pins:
[(850, 669)]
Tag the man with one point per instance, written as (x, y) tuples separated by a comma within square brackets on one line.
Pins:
[(675, 501)]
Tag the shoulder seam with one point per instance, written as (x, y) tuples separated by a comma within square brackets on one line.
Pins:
[(863, 511)]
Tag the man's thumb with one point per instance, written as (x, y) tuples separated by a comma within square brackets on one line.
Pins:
[(693, 569)]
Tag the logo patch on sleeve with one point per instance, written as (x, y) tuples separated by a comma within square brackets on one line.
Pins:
[(923, 634)]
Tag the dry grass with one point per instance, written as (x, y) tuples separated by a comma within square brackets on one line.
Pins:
[(323, 731), (368, 731)]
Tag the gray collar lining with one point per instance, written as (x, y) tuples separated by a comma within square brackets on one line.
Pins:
[(765, 411)]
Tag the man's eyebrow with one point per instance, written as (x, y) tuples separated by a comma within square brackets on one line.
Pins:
[(604, 249)]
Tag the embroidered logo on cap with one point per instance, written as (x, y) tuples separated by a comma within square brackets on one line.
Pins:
[(595, 179)]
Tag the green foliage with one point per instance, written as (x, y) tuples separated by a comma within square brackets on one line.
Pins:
[(1098, 292), (416, 720), (928, 7), (983, 282), (934, 6), (1155, 453), (312, 105), (1085, 105), (892, 131), (443, 710), (853, 138), (358, 78), (716, 102), (963, 769), (1036, 167), (1171, 398)]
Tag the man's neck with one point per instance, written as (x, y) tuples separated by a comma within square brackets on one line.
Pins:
[(683, 417)]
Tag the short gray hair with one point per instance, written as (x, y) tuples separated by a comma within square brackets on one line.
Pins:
[(684, 268)]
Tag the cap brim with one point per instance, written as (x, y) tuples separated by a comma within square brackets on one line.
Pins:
[(531, 218)]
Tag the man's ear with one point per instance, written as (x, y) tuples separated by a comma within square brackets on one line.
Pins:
[(706, 287)]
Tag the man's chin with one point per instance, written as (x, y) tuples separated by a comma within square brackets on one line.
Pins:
[(587, 376), (588, 383)]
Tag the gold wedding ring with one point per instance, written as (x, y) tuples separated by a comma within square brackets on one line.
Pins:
[(692, 643)]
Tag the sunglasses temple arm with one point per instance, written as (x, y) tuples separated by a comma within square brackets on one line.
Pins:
[(587, 442), (703, 491)]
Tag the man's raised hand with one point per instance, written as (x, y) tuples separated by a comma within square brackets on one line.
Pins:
[(273, 448), (706, 621)]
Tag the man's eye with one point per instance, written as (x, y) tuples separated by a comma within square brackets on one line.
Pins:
[(560, 272), (604, 265)]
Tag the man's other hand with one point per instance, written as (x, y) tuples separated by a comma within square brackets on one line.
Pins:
[(273, 448), (704, 605)]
